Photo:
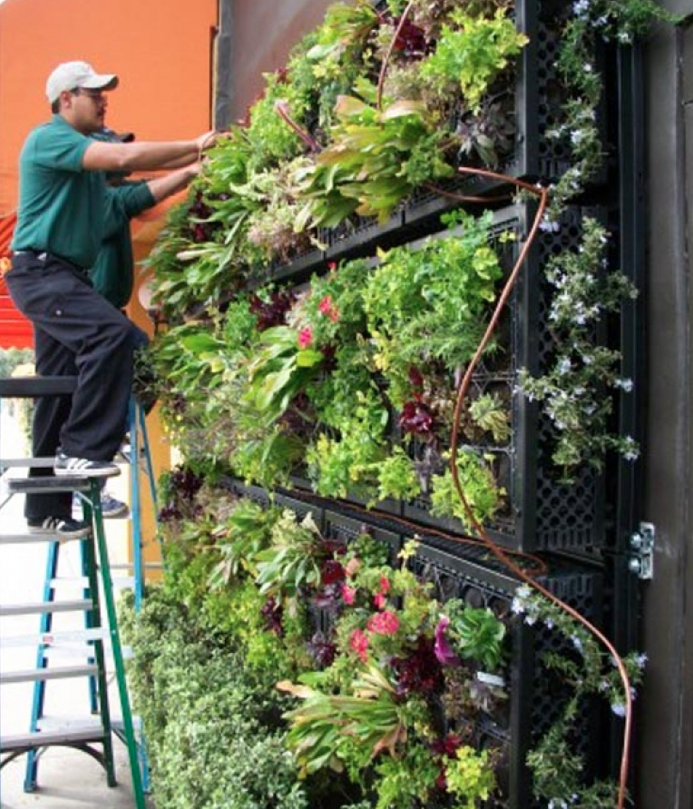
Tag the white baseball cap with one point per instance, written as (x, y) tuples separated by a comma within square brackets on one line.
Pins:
[(70, 75)]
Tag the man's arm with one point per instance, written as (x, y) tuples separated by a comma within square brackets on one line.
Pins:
[(162, 187), (130, 198), (144, 155)]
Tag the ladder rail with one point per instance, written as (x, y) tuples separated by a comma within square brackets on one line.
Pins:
[(97, 592), (127, 718)]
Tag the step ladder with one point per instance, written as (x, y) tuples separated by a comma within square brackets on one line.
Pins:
[(138, 457), (95, 737)]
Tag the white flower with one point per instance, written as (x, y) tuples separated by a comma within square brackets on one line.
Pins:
[(524, 591), (618, 708), (630, 449), (625, 384), (549, 226), (641, 660), (564, 366)]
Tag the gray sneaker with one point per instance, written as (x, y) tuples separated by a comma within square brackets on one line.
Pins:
[(112, 508), (83, 467), (61, 527)]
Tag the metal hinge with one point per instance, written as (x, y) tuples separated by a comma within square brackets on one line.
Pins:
[(641, 561)]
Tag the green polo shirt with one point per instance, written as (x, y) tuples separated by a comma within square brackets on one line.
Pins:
[(61, 206), (113, 271)]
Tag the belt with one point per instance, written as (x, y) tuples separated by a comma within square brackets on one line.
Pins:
[(43, 255)]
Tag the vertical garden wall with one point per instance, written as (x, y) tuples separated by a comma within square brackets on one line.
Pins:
[(399, 363)]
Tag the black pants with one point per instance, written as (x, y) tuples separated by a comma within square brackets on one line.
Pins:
[(79, 333)]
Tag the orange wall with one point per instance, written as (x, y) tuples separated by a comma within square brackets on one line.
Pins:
[(160, 49)]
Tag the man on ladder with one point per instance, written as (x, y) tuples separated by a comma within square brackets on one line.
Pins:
[(61, 225)]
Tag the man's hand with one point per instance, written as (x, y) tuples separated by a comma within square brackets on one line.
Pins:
[(206, 141)]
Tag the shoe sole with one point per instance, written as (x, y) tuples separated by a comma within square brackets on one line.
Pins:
[(111, 515), (110, 471), (84, 532)]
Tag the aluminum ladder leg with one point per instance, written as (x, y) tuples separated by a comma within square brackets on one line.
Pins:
[(98, 572)]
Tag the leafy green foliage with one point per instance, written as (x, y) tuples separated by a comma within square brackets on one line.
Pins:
[(374, 160), (292, 560), (247, 531), (279, 371), (397, 477), (213, 733), (473, 51), (490, 415), (428, 304), (468, 776), (483, 496), (475, 633)]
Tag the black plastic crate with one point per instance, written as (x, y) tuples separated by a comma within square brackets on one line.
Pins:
[(541, 513), (535, 700), (471, 574)]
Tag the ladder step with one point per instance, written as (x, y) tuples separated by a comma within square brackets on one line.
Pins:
[(72, 652), (53, 638), (145, 566), (32, 675), (26, 538), (44, 738), (25, 463), (40, 607), (50, 483), (32, 386), (83, 581)]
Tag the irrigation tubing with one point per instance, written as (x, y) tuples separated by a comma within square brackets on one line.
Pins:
[(505, 556), (498, 551)]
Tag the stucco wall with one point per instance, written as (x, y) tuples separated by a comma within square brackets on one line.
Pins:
[(664, 751), (262, 34)]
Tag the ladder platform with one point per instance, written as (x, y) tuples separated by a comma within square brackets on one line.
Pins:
[(27, 537), (41, 607), (51, 638), (51, 483), (24, 463), (28, 387), (43, 738), (58, 673), (123, 582)]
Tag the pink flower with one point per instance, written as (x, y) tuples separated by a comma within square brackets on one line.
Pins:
[(327, 307), (441, 648), (348, 594), (359, 644), (305, 337), (384, 584), (379, 600), (383, 623)]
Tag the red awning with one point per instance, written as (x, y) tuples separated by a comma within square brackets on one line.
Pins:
[(15, 329)]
